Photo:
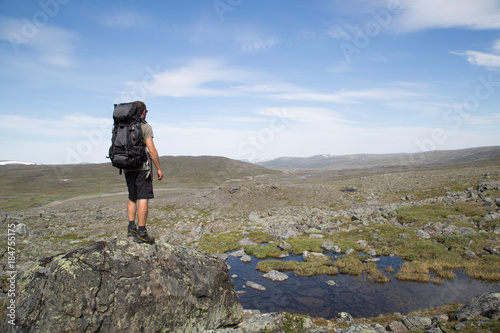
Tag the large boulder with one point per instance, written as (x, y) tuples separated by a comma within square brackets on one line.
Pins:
[(486, 305), (121, 286)]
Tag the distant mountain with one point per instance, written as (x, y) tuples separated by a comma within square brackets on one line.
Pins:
[(210, 169), (436, 158), (18, 163)]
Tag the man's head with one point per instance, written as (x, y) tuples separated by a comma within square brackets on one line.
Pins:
[(142, 107)]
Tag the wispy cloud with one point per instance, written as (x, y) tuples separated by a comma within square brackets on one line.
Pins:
[(489, 60), (351, 96), (413, 15), (52, 45), (304, 114), (198, 78), (483, 59)]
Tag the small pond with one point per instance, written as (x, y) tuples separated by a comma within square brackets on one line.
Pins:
[(354, 294)]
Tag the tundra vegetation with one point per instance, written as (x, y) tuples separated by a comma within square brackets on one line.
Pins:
[(439, 219)]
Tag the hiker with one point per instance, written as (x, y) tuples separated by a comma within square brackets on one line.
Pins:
[(140, 184)]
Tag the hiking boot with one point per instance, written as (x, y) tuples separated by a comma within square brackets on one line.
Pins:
[(143, 237), (132, 231)]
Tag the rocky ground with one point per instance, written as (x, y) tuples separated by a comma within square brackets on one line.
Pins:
[(282, 206)]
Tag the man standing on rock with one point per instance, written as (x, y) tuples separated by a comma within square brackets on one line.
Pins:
[(140, 184)]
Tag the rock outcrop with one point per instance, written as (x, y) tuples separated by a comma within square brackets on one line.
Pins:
[(486, 305), (121, 286)]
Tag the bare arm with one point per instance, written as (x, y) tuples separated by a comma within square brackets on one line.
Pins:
[(154, 156)]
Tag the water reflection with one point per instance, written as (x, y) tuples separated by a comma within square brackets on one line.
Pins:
[(355, 295)]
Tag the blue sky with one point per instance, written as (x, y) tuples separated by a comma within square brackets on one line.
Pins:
[(250, 79)]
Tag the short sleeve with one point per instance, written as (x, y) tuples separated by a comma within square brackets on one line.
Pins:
[(147, 131)]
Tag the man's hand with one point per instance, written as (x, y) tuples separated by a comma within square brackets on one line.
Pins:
[(160, 175)]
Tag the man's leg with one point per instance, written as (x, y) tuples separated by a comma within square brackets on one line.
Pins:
[(142, 212), (131, 209)]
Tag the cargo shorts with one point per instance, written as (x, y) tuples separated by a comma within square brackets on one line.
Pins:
[(139, 184)]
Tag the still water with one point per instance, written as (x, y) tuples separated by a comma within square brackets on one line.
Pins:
[(355, 295)]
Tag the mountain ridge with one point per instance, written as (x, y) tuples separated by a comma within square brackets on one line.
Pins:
[(434, 158)]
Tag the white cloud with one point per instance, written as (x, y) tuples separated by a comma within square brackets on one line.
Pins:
[(52, 45), (483, 59), (413, 15), (196, 79), (488, 121), (74, 138), (489, 60), (350, 96)]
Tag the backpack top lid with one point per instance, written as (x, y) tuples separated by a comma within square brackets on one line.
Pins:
[(125, 112)]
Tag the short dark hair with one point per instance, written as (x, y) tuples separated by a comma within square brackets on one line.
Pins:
[(141, 105)]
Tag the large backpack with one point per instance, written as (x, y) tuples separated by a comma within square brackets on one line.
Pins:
[(128, 149)]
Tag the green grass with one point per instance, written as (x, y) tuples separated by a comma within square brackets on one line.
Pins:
[(264, 251), (309, 268), (354, 265), (421, 215)]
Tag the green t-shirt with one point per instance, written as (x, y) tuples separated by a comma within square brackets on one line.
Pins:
[(147, 132)]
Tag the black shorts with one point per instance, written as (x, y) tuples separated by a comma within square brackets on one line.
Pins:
[(139, 187)]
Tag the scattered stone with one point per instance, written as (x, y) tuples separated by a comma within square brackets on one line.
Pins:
[(404, 236), (344, 317), (307, 255), (332, 283), (358, 328), (246, 259), (287, 234), (396, 327), (234, 189), (371, 252), (276, 276), (21, 229), (254, 217), (285, 246), (362, 243), (492, 250), (378, 328), (371, 260), (247, 241), (327, 246), (316, 236), (441, 318), (422, 234), (349, 251), (417, 323), (237, 254), (255, 286), (451, 229)]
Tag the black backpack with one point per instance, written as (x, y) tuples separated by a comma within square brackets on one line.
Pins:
[(128, 149)]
